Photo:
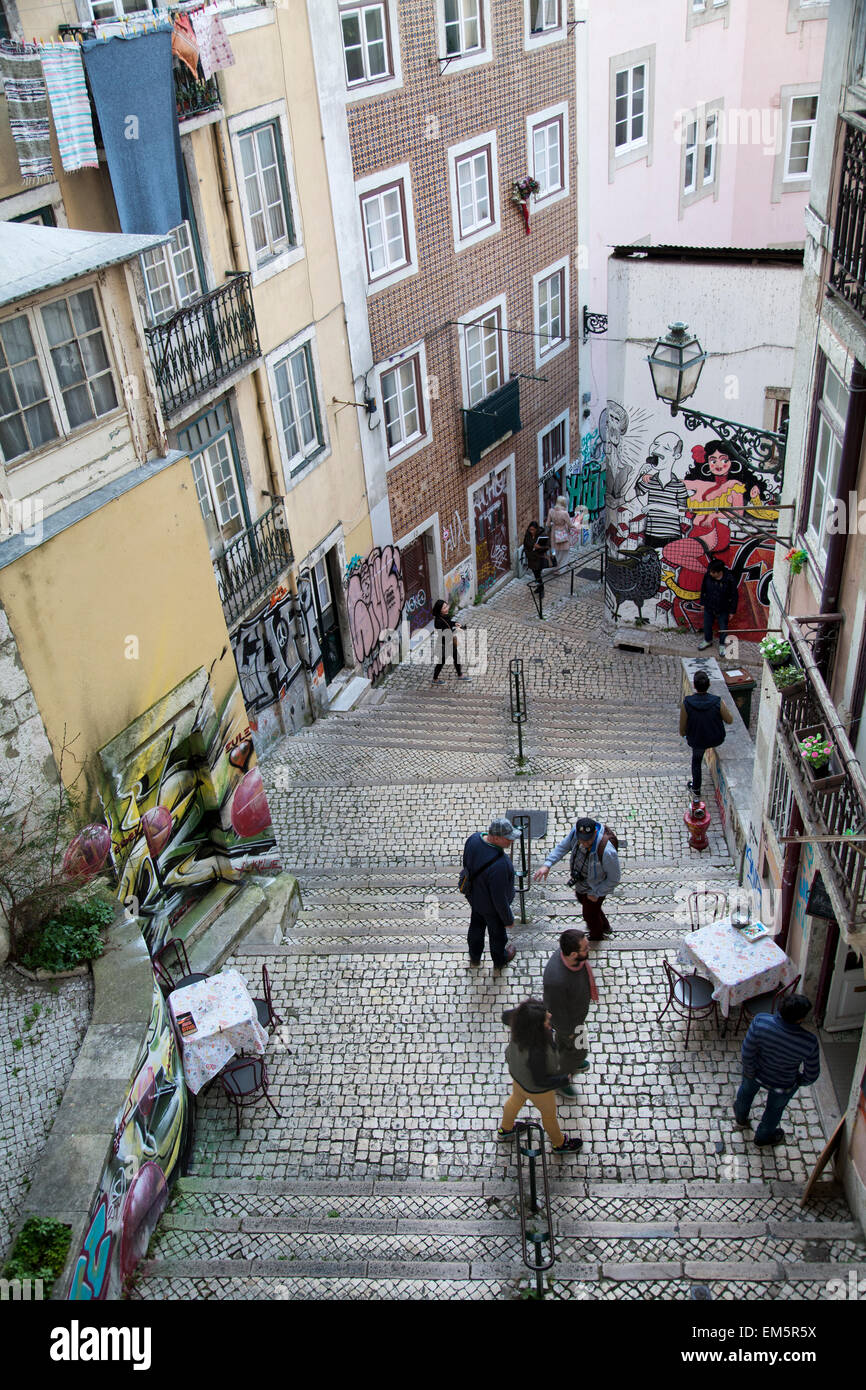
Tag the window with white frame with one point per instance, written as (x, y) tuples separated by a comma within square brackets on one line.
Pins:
[(630, 127), (631, 108), (552, 460), (117, 9), (483, 353), (264, 184), (827, 457), (383, 214), (699, 138), (464, 27), (297, 408), (548, 152), (210, 444), (265, 178), (802, 115), (474, 189), (55, 373), (403, 404), (171, 274), (551, 310), (544, 15), (366, 44)]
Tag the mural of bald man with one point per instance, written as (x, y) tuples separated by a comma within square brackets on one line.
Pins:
[(662, 491)]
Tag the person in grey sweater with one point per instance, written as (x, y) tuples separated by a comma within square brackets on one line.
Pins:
[(535, 1073), (569, 987)]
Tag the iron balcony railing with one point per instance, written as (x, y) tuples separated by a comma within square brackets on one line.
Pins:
[(204, 342), (848, 269), (251, 562), (835, 818)]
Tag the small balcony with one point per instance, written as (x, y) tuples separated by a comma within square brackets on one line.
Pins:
[(491, 420), (192, 97), (835, 818), (204, 343), (251, 563), (848, 265)]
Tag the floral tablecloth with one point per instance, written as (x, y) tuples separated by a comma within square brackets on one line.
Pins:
[(226, 1023), (738, 969)]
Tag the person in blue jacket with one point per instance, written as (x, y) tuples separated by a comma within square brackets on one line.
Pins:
[(702, 724), (492, 892), (781, 1056)]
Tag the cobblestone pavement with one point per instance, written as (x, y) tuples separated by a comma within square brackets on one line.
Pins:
[(390, 1083), (41, 1030)]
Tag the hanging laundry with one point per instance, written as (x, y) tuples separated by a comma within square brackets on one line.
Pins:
[(214, 49), (21, 72), (184, 44), (133, 91), (70, 105)]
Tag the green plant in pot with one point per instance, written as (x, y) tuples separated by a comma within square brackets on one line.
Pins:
[(816, 750), (787, 676), (776, 651)]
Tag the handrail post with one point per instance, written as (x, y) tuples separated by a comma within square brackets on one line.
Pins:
[(523, 822), (533, 1149), (517, 695)]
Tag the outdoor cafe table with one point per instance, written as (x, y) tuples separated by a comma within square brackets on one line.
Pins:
[(226, 1023), (737, 968)]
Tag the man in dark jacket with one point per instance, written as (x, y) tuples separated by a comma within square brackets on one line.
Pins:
[(779, 1054), (702, 723), (492, 892), (569, 986), (719, 597)]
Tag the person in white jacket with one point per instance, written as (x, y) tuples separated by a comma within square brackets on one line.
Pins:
[(558, 526)]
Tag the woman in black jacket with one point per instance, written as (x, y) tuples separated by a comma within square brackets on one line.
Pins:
[(534, 1066), (536, 549), (442, 623)]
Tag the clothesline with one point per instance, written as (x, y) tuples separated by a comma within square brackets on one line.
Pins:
[(155, 20)]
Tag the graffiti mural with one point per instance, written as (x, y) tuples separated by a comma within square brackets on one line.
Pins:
[(266, 653), (492, 551), (454, 537), (670, 511), (149, 1136), (458, 584), (375, 597), (170, 782)]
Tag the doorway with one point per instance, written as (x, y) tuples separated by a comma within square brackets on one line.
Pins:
[(492, 548), (416, 578), (324, 587)]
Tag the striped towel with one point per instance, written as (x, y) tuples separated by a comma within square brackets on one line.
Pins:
[(21, 72), (70, 105)]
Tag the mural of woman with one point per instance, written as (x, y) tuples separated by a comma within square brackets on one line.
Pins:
[(719, 478)]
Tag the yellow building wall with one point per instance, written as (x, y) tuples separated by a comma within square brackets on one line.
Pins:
[(137, 571)]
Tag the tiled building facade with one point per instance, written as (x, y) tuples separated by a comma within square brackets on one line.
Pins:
[(449, 299)]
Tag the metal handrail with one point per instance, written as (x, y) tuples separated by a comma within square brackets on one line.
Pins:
[(523, 822), (517, 694), (543, 1234)]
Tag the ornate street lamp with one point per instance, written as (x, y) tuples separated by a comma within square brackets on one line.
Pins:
[(675, 365)]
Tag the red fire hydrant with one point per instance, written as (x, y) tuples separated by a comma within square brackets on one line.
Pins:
[(697, 821)]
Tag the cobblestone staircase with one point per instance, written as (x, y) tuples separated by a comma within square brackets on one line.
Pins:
[(404, 1240), (384, 1179)]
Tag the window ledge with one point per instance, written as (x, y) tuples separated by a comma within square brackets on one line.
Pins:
[(240, 20), (186, 127), (277, 264)]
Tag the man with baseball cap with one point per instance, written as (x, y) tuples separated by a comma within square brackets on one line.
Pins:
[(595, 871), (492, 891)]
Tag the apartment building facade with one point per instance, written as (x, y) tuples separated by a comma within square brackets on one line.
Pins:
[(807, 842), (701, 154), (458, 279), (245, 334)]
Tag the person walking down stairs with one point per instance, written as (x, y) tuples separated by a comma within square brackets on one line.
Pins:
[(442, 623), (534, 1066)]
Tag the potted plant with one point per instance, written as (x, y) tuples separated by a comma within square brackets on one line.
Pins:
[(797, 560), (823, 769), (789, 678), (776, 651)]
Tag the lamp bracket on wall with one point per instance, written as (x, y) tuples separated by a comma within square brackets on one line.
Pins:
[(593, 323)]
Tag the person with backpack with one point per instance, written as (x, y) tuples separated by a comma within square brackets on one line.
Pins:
[(702, 724), (487, 881), (595, 870), (720, 597)]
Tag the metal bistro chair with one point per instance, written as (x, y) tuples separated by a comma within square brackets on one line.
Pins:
[(171, 967), (710, 905), (766, 1003), (245, 1081), (268, 1018), (691, 996)]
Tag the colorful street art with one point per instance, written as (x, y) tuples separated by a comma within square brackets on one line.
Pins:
[(266, 653), (492, 553), (458, 584), (170, 782), (375, 597), (149, 1137), (670, 510)]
